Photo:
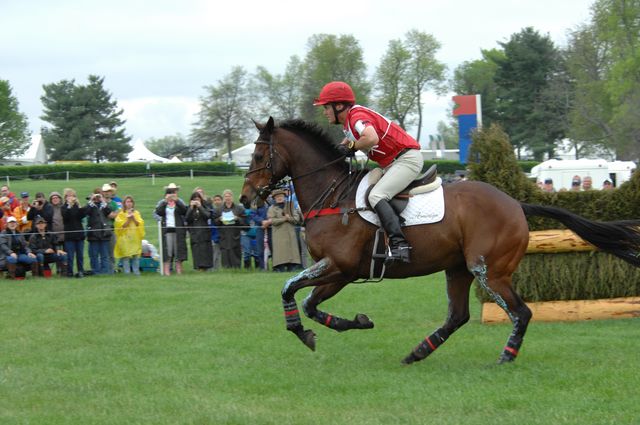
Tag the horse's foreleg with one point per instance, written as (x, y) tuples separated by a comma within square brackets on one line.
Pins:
[(500, 289), (458, 285), (318, 274), (323, 293)]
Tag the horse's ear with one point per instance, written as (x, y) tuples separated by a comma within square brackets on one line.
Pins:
[(270, 125), (257, 124)]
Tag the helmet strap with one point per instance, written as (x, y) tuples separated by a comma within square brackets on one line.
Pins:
[(335, 113)]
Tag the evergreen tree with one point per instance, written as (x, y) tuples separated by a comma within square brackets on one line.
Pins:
[(85, 122), (14, 133)]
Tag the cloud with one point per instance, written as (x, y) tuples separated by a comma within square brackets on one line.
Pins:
[(159, 116)]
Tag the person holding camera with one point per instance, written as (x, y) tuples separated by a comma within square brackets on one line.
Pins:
[(21, 214), (74, 234), (197, 219), (99, 234), (40, 208), (129, 228), (171, 213)]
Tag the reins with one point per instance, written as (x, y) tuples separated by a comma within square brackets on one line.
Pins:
[(326, 194)]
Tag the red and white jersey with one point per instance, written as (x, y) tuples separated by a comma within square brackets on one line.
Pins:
[(392, 138)]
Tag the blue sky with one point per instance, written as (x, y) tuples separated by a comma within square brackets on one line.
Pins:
[(157, 56)]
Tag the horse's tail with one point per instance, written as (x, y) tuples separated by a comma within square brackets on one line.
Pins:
[(620, 238)]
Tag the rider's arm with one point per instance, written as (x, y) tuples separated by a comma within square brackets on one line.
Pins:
[(368, 139)]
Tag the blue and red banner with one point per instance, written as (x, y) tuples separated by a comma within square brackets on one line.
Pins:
[(468, 109)]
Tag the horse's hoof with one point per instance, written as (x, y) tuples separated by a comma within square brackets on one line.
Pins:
[(308, 338), (506, 358), (363, 321), (409, 359)]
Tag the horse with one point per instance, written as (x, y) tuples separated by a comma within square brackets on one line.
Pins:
[(483, 236)]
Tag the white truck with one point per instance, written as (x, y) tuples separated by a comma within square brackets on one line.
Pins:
[(563, 171)]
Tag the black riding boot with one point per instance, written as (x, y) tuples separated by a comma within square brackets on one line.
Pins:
[(391, 224)]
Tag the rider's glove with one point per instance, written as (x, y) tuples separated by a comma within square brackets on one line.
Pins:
[(345, 151)]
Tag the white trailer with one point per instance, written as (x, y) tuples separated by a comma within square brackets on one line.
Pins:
[(563, 171)]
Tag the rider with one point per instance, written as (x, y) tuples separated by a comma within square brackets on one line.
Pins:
[(386, 143)]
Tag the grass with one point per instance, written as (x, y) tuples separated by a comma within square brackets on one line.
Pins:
[(212, 349)]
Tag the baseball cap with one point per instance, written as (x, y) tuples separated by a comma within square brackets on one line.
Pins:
[(548, 181), (24, 194), (11, 219)]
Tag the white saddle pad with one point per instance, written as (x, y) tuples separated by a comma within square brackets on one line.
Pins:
[(421, 209)]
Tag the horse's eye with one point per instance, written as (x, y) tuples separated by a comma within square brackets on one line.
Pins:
[(257, 157)]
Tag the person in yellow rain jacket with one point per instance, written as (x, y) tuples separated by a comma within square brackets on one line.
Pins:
[(129, 228), (20, 213)]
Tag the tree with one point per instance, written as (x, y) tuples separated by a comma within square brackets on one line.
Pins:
[(617, 23), (530, 61), (478, 77), (332, 58), (14, 128), (169, 146), (280, 94), (223, 120), (407, 70), (85, 122)]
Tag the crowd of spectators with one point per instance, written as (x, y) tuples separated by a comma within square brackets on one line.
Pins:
[(578, 184), (216, 232)]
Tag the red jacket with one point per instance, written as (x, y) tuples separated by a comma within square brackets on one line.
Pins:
[(393, 139)]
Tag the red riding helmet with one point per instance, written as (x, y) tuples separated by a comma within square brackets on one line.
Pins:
[(335, 92)]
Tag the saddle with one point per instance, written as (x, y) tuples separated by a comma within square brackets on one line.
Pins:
[(426, 182)]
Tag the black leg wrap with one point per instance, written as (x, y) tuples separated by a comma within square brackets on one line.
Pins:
[(291, 315), (427, 346), (361, 321), (511, 350)]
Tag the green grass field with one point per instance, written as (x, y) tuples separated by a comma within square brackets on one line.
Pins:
[(212, 349)]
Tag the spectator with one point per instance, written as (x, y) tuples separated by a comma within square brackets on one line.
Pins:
[(14, 250), (99, 233), (206, 201), (5, 192), (258, 216), (248, 241), (607, 185), (129, 228), (587, 183), (21, 213), (230, 219), (114, 194), (216, 201), (283, 218), (107, 195), (548, 186), (575, 184), (55, 224), (5, 211), (45, 246), (197, 218), (40, 207), (72, 215), (171, 211)]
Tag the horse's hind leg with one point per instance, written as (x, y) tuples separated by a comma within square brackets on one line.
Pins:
[(323, 293), (458, 285), (500, 289)]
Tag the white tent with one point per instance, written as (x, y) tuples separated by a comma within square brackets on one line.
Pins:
[(174, 159), (242, 155), (35, 154), (141, 153)]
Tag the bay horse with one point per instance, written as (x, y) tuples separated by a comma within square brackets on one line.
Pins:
[(483, 236)]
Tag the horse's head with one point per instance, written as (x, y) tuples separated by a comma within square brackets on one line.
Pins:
[(267, 167)]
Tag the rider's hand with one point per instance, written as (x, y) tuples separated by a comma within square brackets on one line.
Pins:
[(345, 151)]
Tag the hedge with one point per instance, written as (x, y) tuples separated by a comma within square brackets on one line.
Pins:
[(117, 170)]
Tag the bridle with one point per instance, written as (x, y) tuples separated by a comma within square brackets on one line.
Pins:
[(264, 191)]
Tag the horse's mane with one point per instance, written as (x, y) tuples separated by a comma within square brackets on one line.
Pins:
[(313, 133)]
